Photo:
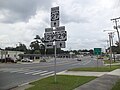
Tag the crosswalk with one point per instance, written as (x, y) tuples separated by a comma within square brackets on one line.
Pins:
[(26, 71)]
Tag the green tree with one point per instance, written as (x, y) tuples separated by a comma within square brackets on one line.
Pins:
[(37, 46), (21, 47)]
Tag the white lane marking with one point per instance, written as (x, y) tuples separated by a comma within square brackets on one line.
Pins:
[(87, 62), (7, 70), (47, 73), (33, 72), (23, 71), (39, 72), (82, 63), (13, 71)]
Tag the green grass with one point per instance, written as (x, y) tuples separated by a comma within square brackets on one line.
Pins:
[(117, 86), (95, 69), (108, 62), (64, 82)]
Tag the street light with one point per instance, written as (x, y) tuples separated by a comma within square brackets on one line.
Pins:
[(111, 43)]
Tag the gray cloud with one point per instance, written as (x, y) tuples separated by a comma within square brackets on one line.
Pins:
[(21, 10), (65, 18)]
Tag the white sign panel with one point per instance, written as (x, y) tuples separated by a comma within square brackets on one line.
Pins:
[(60, 36), (49, 36), (61, 28), (55, 17), (54, 13), (48, 29), (55, 23), (49, 45), (60, 44)]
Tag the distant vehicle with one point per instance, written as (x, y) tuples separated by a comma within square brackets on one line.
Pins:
[(100, 57), (2, 60), (43, 60), (26, 60), (91, 56), (78, 59), (8, 59)]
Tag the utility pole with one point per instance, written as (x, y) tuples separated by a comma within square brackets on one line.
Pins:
[(110, 39), (116, 27)]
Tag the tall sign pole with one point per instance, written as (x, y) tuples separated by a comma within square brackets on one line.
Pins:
[(55, 63), (55, 23), (56, 34), (110, 37), (97, 51)]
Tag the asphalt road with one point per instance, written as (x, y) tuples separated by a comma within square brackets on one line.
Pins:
[(12, 75)]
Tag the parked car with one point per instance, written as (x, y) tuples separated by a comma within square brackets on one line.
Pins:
[(8, 59), (2, 60), (26, 60)]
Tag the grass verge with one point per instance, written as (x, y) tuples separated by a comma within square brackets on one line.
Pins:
[(95, 69), (64, 82), (108, 62), (117, 86)]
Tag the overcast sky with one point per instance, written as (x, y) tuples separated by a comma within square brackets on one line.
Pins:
[(84, 20)]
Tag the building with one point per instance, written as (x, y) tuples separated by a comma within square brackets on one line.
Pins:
[(12, 54)]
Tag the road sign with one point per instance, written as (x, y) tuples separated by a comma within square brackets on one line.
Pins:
[(49, 45), (49, 36), (55, 17), (61, 28), (60, 36), (60, 44), (48, 29), (97, 51), (55, 23), (54, 13)]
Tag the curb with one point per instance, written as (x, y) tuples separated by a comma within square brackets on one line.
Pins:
[(28, 83)]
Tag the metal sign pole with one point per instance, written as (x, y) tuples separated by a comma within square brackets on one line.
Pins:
[(97, 62), (110, 50), (55, 63)]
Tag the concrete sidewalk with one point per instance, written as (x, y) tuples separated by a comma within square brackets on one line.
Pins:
[(82, 73), (105, 80)]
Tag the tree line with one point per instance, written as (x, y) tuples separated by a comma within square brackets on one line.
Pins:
[(37, 47)]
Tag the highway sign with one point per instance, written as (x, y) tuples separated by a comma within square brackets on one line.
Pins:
[(61, 28), (48, 29), (55, 17), (60, 44), (60, 36), (97, 51), (49, 45), (55, 23), (54, 13), (49, 36)]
